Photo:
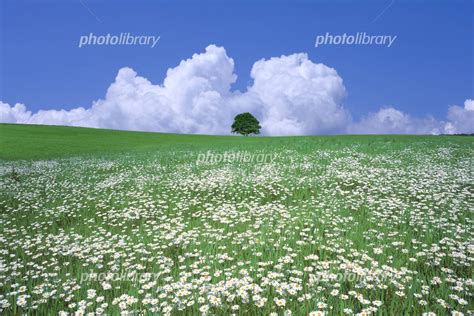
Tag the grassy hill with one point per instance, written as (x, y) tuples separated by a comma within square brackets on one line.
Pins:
[(44, 142), (136, 223), (49, 142)]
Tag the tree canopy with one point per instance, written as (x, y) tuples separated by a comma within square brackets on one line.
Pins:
[(246, 124)]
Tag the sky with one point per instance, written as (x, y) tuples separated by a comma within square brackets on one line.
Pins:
[(215, 59)]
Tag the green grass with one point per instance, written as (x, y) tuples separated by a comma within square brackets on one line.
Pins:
[(46, 142), (78, 200), (31, 142)]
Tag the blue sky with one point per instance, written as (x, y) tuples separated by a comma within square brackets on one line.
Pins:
[(428, 68)]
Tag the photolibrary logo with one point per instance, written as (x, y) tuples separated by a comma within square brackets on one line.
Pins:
[(123, 39), (349, 276), (360, 38), (123, 276), (235, 157)]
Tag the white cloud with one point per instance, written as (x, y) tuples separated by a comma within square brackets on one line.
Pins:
[(13, 114), (392, 121), (192, 99), (469, 105), (298, 97), (461, 120), (290, 95)]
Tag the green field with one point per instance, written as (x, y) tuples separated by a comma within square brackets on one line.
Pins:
[(108, 222)]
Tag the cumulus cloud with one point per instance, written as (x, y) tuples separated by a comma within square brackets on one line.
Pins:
[(389, 120), (290, 95), (460, 119), (191, 99), (298, 97), (392, 121), (13, 114)]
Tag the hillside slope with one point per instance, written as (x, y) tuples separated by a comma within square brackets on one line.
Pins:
[(48, 142)]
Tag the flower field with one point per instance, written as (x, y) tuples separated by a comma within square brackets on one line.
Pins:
[(329, 226)]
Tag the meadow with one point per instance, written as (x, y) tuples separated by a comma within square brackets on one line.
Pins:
[(101, 222)]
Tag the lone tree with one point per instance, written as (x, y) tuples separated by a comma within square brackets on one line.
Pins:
[(245, 124)]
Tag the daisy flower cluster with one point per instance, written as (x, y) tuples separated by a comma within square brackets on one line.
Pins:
[(354, 229)]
